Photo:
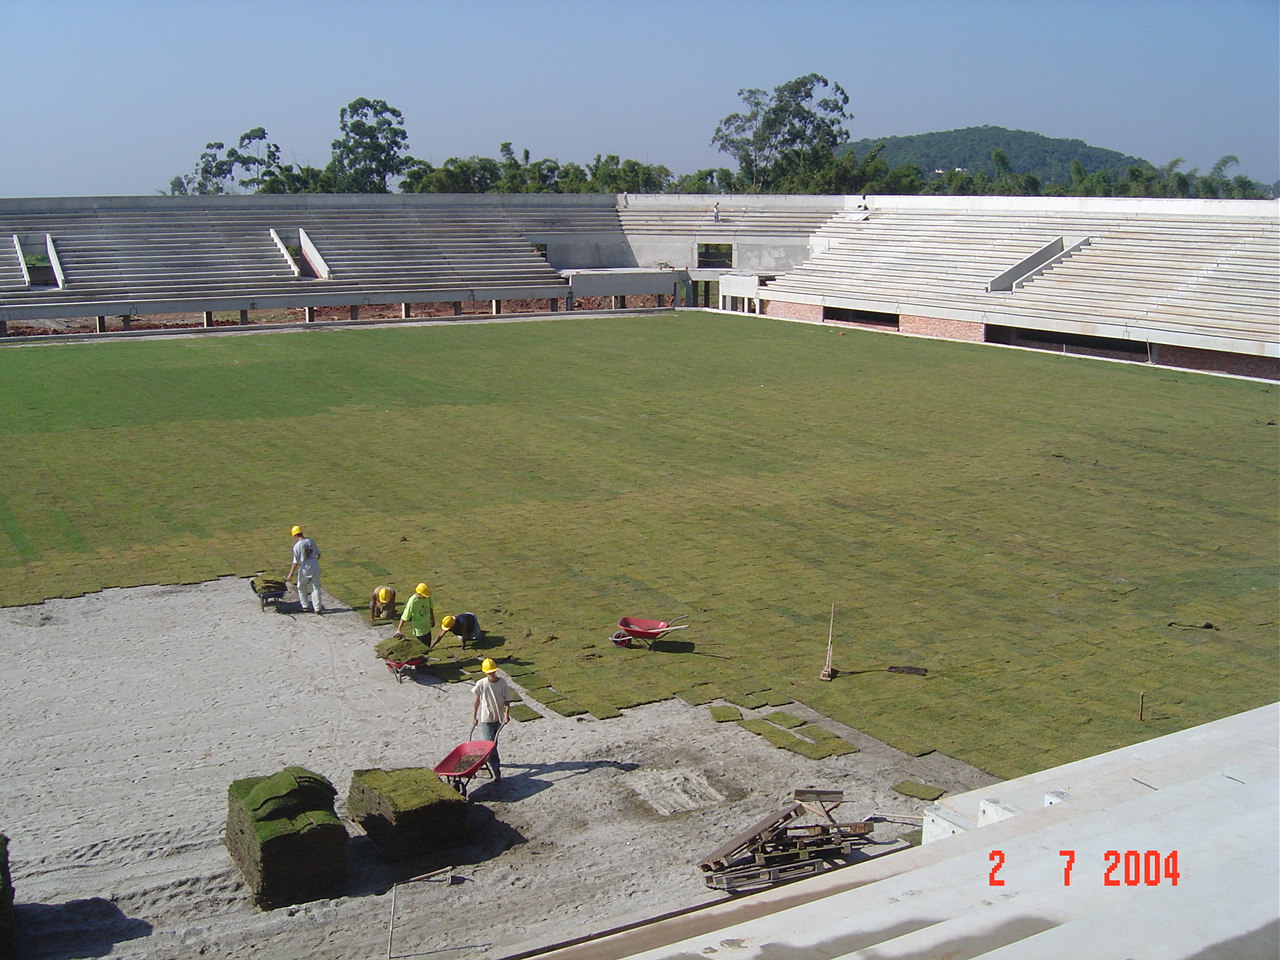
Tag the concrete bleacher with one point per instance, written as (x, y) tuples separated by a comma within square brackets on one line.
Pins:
[(695, 215), (1201, 275), (994, 883), (169, 254), (1202, 280)]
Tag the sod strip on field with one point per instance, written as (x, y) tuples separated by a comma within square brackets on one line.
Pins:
[(919, 791), (523, 713), (725, 714), (1036, 532), (784, 739)]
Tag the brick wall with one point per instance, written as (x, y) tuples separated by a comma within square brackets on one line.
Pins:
[(1240, 364), (942, 329), (793, 311)]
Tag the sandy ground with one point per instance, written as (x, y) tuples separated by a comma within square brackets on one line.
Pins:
[(127, 713)]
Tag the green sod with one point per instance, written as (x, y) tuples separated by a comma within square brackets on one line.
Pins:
[(920, 791), (523, 713), (1036, 532), (722, 714)]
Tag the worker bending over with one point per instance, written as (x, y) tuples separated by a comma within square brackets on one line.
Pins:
[(464, 626), (382, 604)]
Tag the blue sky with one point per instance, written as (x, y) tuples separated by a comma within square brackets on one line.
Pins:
[(115, 97)]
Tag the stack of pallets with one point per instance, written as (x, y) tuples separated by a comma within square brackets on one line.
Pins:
[(777, 849)]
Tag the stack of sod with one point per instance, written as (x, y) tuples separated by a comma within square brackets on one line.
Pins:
[(268, 585), (284, 836), (408, 811), (401, 649), (8, 949)]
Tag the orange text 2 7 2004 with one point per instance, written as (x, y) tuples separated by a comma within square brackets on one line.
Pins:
[(1119, 868)]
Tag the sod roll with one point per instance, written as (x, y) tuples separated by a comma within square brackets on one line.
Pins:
[(285, 838), (268, 585), (407, 811), (400, 649)]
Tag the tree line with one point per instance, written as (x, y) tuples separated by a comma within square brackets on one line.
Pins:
[(792, 139)]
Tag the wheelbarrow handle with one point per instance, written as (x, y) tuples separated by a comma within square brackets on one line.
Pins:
[(472, 734), (683, 616)]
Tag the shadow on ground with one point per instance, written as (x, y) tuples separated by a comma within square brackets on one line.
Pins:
[(369, 872), (77, 928)]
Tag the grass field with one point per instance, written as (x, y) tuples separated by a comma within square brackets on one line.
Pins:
[(1046, 536)]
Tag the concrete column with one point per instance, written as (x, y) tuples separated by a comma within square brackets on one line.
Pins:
[(4, 328), (497, 307), (101, 325), (355, 311), (244, 318), (555, 304), (568, 301), (126, 322), (405, 312), (662, 299), (457, 308), (208, 318), (309, 314)]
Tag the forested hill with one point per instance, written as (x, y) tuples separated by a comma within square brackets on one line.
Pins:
[(1046, 158)]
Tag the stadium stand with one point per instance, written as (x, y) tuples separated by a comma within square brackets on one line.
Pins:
[(1133, 275), (1182, 282)]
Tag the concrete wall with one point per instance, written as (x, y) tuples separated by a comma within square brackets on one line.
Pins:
[(591, 251)]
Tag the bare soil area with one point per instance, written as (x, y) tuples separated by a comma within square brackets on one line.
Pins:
[(128, 713)]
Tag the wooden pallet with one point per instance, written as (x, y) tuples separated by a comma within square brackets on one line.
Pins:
[(747, 878), (775, 848)]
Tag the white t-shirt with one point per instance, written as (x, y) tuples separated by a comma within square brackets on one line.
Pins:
[(494, 694), (307, 556)]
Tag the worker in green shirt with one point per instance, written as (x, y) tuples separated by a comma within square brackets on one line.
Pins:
[(418, 618)]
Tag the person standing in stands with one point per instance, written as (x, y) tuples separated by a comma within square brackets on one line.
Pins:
[(306, 564)]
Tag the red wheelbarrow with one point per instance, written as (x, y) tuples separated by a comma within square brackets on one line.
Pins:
[(465, 761), (634, 628), (402, 668)]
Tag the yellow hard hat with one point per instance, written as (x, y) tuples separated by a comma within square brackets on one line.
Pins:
[(295, 531), (448, 621), (422, 590), (489, 666), (384, 595)]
